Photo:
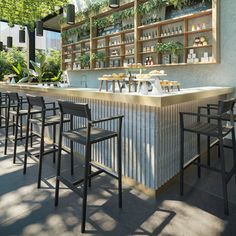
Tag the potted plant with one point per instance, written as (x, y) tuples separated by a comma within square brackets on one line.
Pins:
[(99, 59), (164, 50), (84, 61), (170, 51), (176, 49)]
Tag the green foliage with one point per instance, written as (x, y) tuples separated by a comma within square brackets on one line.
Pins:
[(151, 5), (99, 56), (116, 17), (12, 62), (169, 47), (46, 68), (26, 12), (82, 31), (39, 68), (84, 60)]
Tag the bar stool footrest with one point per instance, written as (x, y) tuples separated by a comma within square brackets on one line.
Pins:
[(90, 176), (104, 169), (69, 185)]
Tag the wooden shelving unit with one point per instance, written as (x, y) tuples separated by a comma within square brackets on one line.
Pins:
[(132, 39)]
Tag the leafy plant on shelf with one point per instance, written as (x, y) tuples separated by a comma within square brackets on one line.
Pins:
[(99, 56), (151, 5), (116, 17), (174, 48), (84, 60)]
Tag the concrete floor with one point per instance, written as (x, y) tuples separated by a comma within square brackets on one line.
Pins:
[(26, 210)]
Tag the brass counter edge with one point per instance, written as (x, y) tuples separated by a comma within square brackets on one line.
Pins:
[(154, 101)]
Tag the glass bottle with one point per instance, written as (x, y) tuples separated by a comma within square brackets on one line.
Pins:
[(180, 29)]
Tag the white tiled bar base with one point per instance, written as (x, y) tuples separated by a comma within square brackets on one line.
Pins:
[(150, 149)]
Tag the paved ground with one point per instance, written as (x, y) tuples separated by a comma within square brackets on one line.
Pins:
[(26, 210)]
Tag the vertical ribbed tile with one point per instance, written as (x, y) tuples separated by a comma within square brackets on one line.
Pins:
[(150, 151)]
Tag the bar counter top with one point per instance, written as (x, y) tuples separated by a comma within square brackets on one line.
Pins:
[(166, 99)]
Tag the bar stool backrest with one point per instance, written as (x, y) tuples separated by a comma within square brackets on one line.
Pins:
[(3, 97), (225, 106), (13, 97), (75, 109), (36, 101)]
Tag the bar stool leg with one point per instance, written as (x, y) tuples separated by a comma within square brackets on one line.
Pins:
[(21, 126), (58, 166), (7, 130), (26, 143), (0, 116), (54, 143), (223, 176), (119, 168), (41, 156), (72, 158), (31, 133), (234, 152), (90, 168), (88, 147), (208, 151), (16, 136), (181, 162), (199, 158)]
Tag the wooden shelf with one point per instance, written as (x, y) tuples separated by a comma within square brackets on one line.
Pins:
[(199, 31), (111, 57), (203, 46), (185, 37), (171, 36), (175, 20), (114, 34), (162, 37), (147, 40), (129, 55), (146, 52), (79, 42), (113, 46), (148, 67)]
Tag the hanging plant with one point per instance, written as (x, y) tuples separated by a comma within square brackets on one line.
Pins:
[(26, 12)]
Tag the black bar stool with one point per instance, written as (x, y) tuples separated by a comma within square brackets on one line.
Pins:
[(42, 121), (3, 109), (209, 129), (16, 111), (87, 136), (211, 110)]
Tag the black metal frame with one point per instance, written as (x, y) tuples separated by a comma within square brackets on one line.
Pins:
[(3, 107), (82, 110), (39, 103), (223, 108), (14, 108)]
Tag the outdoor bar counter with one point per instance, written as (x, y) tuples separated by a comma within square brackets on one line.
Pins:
[(150, 149)]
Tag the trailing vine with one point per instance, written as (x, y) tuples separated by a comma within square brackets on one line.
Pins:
[(26, 12), (114, 18)]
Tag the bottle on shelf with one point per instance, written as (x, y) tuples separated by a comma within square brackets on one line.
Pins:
[(173, 31), (180, 29), (176, 30), (169, 32), (165, 33), (162, 33)]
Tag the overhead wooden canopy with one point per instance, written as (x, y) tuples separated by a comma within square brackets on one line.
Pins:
[(26, 12)]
